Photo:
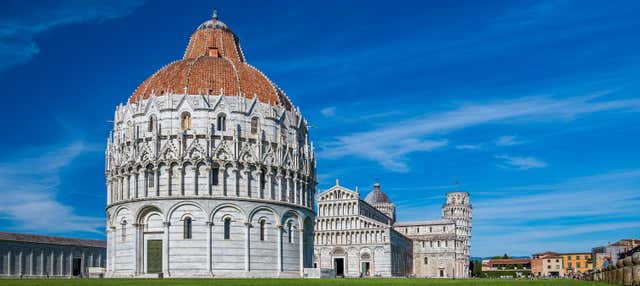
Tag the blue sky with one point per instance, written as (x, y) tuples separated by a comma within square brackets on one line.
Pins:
[(532, 105)]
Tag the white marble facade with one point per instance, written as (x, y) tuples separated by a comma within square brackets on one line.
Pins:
[(27, 255), (158, 176), (359, 238), (219, 183)]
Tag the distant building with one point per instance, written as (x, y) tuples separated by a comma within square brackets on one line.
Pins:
[(506, 264), (598, 257), (547, 264), (579, 262), (602, 256), (614, 250), (28, 255), (358, 237)]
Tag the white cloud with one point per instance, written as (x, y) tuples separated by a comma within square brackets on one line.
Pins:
[(390, 144), (21, 21), (29, 182), (520, 162), (328, 111), (509, 140), (469, 147)]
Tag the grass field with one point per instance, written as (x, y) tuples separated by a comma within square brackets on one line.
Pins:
[(291, 282)]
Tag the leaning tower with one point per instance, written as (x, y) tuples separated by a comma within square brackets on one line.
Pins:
[(458, 209)]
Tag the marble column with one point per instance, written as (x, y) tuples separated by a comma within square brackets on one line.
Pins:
[(236, 178), (209, 247), (135, 248), (301, 250), (269, 179), (260, 183), (109, 191), (247, 246), (156, 181), (279, 186), (209, 189), (51, 258), (31, 263), (165, 250), (41, 263), (279, 236), (113, 249), (222, 181), (181, 180)]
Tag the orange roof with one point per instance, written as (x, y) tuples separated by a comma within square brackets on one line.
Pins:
[(213, 63)]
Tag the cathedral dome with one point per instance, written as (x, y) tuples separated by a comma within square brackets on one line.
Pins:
[(377, 196), (213, 63)]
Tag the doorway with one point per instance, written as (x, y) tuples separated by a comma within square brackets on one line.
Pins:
[(365, 269), (441, 272), (154, 256), (338, 266), (76, 269)]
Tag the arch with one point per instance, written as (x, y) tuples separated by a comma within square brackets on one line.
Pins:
[(291, 215), (112, 219), (146, 210), (254, 211), (227, 205), (174, 207)]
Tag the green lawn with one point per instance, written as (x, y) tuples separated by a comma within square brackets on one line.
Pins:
[(290, 282)]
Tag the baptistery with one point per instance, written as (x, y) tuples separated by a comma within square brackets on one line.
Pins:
[(209, 170)]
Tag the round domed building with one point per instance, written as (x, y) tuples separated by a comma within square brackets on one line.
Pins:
[(210, 172)]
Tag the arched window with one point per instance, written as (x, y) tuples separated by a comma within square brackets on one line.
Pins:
[(227, 228), (289, 232), (186, 121), (150, 179), (187, 230), (215, 172), (222, 122), (426, 260), (152, 123), (262, 222), (254, 125)]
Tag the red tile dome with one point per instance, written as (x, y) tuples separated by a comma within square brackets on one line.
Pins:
[(213, 63)]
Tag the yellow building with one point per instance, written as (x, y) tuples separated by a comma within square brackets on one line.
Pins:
[(579, 262)]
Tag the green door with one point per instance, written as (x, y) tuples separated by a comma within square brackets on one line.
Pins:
[(154, 256)]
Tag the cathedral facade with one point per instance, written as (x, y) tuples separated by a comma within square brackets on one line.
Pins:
[(358, 238), (209, 170)]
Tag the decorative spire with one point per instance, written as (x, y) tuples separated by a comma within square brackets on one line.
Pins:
[(457, 185), (215, 14), (337, 182)]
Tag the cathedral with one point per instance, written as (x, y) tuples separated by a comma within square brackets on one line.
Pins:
[(358, 238), (209, 170)]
